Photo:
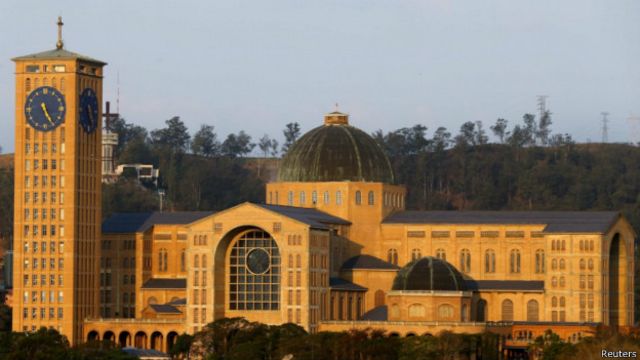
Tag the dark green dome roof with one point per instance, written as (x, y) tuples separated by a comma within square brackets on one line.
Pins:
[(429, 274), (335, 151)]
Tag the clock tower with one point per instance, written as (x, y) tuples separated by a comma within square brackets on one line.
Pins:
[(57, 190)]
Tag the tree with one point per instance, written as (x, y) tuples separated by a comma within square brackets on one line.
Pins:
[(441, 139), (127, 132), (44, 344), (466, 135), (265, 145), (544, 128), (175, 137), (237, 145), (5, 317), (180, 349), (549, 347), (291, 134), (205, 142), (500, 129)]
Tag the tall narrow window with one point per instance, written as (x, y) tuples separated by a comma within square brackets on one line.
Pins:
[(182, 260), (371, 197), (514, 261), (441, 254), (338, 197), (392, 256), (532, 310), (290, 198), (490, 261), (358, 197), (507, 310), (303, 198), (465, 260), (326, 198), (539, 261), (415, 254), (314, 197)]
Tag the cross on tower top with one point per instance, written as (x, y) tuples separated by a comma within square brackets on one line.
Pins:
[(60, 43)]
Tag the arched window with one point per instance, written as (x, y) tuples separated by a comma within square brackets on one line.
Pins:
[(415, 254), (255, 258), (465, 260), (539, 261), (196, 261), (514, 261), (590, 264), (358, 197), (371, 198), (326, 198), (554, 301), (441, 254), (554, 281), (204, 261), (416, 310), (27, 85), (562, 301), (583, 264), (554, 264), (507, 310), (490, 261), (562, 283), (314, 197), (445, 312), (290, 198), (303, 197), (338, 197), (532, 310), (392, 256), (562, 264)]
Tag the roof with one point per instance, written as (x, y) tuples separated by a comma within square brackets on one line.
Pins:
[(379, 313), (336, 283), (335, 151), (165, 309), (158, 283), (178, 302), (367, 262), (429, 274), (555, 221), (141, 222), (58, 54), (507, 285), (315, 218)]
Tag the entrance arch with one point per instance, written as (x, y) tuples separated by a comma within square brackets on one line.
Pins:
[(617, 282), (141, 340), (109, 336), (172, 337), (93, 336), (157, 341), (124, 339), (481, 310)]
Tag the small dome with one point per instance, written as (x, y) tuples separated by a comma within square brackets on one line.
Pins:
[(336, 151), (429, 274)]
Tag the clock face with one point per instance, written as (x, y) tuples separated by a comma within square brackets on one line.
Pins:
[(45, 108), (258, 261), (88, 110)]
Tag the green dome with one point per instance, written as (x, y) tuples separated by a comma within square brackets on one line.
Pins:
[(429, 274), (335, 151)]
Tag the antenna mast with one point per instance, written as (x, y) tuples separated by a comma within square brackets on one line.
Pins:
[(605, 128)]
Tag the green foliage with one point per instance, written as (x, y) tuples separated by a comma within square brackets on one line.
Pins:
[(205, 142), (291, 134), (550, 347), (6, 204), (236, 145), (174, 138), (181, 347), (5, 317), (127, 195)]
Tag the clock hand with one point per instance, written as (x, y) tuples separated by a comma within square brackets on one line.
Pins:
[(90, 113), (46, 113)]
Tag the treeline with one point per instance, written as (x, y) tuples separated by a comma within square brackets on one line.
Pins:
[(526, 169)]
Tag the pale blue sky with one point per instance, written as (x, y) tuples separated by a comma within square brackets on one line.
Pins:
[(257, 65)]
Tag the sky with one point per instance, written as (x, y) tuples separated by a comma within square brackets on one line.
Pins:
[(258, 65)]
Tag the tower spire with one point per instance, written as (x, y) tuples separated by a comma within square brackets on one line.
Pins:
[(60, 43)]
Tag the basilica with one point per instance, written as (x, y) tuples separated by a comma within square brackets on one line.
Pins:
[(331, 248)]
